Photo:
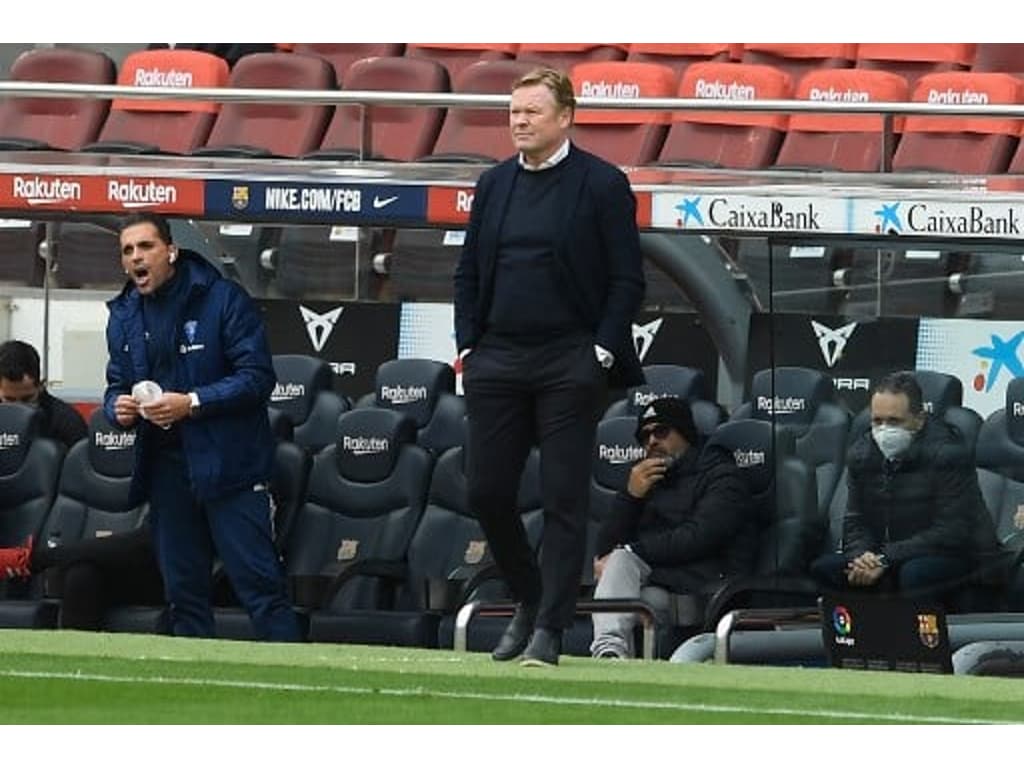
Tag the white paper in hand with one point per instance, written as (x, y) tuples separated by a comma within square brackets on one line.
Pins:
[(146, 392)]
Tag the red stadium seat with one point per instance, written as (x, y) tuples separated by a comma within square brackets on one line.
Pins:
[(999, 57), (480, 135), (162, 125), (624, 137), (727, 139), (912, 60), (679, 56), (27, 123), (457, 56), (272, 130), (850, 142), (798, 59), (974, 145), (341, 56), (396, 133), (565, 56)]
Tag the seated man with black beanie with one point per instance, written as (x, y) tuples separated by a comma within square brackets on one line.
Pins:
[(682, 522)]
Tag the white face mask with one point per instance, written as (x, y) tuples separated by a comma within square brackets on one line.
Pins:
[(891, 440)]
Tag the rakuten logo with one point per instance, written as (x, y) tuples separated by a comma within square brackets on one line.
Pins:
[(463, 201), (40, 191), (745, 459), (782, 406), (115, 441), (641, 398), (9, 440), (134, 194), (615, 90), (362, 446), (949, 96), (172, 78), (289, 391), (1018, 409), (716, 89), (399, 395), (619, 454), (831, 94)]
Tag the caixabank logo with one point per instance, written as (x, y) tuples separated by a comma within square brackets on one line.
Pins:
[(947, 218), (700, 210), (998, 358)]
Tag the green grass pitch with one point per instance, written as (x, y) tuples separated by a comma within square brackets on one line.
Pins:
[(92, 678)]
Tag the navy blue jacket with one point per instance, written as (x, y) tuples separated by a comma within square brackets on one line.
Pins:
[(222, 356), (597, 255)]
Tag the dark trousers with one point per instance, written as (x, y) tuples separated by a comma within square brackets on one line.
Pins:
[(238, 527), (928, 577), (518, 395), (95, 574)]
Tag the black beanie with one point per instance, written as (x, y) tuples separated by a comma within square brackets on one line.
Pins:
[(672, 412)]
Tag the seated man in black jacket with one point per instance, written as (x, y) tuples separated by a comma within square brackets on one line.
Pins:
[(914, 517), (20, 383), (682, 522)]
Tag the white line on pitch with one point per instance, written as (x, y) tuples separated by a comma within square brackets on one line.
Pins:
[(514, 698)]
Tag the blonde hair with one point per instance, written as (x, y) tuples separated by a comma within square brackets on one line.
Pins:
[(555, 81)]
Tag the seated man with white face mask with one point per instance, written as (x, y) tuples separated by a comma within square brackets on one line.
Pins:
[(913, 501)]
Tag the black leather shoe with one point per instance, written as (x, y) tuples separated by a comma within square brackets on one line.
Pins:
[(517, 634), (544, 647)]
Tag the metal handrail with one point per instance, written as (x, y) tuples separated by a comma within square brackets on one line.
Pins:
[(760, 618), (24, 88)]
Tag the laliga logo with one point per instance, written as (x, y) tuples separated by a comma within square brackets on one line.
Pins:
[(643, 336), (618, 454), (842, 622), (114, 441), (319, 327), (832, 341), (363, 446)]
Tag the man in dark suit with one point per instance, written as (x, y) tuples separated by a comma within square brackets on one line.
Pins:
[(545, 291)]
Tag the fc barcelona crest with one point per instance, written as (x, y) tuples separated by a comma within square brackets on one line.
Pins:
[(348, 549), (475, 552), (240, 198), (928, 629)]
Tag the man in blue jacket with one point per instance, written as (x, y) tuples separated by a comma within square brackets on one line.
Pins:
[(546, 288), (205, 448)]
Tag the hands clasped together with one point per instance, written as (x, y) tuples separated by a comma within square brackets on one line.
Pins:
[(865, 569), (151, 403)]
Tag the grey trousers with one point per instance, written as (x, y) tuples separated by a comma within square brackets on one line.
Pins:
[(624, 578)]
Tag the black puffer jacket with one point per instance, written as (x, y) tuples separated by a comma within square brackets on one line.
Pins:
[(925, 502), (694, 527)]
